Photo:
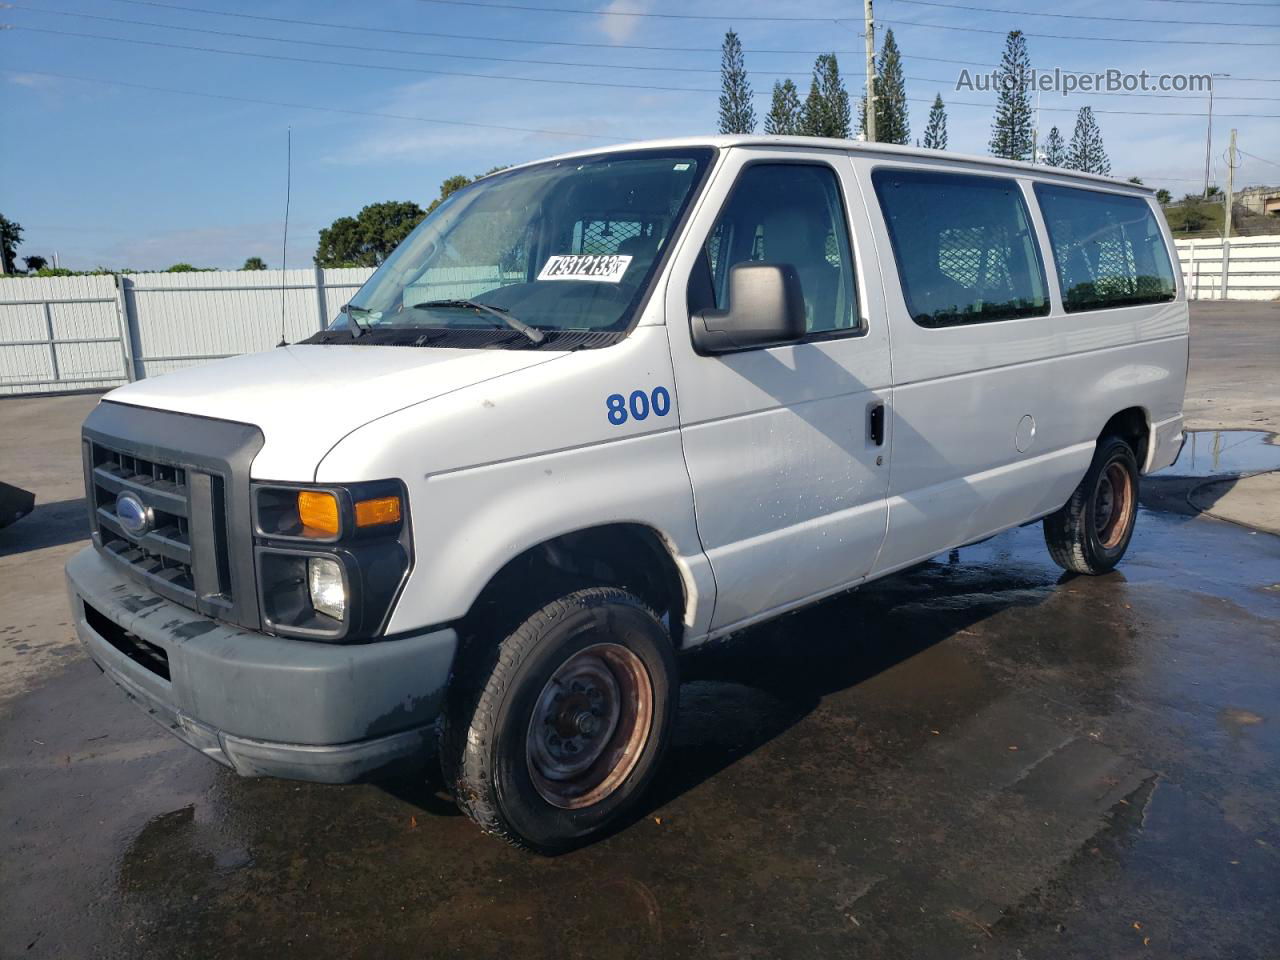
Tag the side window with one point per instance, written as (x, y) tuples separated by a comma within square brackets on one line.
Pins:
[(1107, 248), (965, 247), (789, 213)]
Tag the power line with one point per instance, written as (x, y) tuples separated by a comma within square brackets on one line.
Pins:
[(1124, 113), (986, 106), (1217, 3), (362, 66), (1080, 16), (698, 16), (458, 36), (731, 17), (1059, 36), (458, 56), (563, 43), (258, 101), (347, 46), (1256, 157)]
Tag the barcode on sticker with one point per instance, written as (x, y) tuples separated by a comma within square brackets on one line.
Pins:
[(602, 268)]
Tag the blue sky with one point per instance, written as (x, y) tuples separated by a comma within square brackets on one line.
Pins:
[(117, 175)]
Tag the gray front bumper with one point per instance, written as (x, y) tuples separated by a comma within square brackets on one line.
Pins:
[(263, 705)]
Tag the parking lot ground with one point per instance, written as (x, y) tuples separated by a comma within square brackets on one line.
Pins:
[(976, 757)]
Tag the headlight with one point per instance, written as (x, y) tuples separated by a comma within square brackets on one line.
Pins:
[(328, 591), (330, 558)]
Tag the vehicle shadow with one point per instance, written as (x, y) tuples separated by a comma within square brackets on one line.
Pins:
[(48, 525), (738, 696)]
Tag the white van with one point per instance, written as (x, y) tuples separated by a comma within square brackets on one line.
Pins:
[(598, 410)]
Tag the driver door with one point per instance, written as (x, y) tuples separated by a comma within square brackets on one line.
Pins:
[(788, 467)]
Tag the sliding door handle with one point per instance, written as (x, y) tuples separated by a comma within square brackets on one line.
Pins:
[(875, 424)]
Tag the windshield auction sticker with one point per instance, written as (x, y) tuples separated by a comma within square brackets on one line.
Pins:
[(600, 268)]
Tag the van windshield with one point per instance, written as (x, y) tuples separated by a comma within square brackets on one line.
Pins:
[(558, 253)]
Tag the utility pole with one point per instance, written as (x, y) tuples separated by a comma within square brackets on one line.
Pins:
[(869, 24), (1208, 134), (1231, 170)]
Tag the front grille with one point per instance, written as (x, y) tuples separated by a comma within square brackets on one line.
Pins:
[(191, 477), (164, 551)]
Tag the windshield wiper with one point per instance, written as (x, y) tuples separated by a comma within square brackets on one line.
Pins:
[(501, 313), (351, 310)]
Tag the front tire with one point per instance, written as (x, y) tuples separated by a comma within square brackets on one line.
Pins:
[(1092, 530), (553, 734)]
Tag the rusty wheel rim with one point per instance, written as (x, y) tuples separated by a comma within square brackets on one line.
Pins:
[(1113, 505), (589, 726)]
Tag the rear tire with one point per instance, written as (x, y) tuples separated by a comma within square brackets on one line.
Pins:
[(1092, 530), (553, 734)]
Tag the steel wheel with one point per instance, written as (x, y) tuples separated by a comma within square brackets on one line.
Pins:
[(1113, 505), (589, 726)]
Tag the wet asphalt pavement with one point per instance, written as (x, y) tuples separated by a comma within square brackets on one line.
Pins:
[(979, 757)]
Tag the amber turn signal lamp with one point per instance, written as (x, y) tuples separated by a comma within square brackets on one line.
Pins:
[(318, 511), (374, 513)]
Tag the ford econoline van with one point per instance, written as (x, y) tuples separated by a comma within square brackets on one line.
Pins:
[(598, 410)]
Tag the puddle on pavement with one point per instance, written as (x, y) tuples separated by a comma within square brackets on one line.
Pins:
[(1216, 453)]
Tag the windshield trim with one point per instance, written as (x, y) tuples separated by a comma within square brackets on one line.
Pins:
[(707, 155)]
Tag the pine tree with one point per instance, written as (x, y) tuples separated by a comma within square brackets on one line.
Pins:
[(935, 134), (1086, 153), (1055, 149), (737, 111), (892, 125), (784, 112), (826, 109), (1011, 131)]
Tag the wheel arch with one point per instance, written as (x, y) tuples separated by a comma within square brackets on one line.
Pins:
[(630, 555), (1133, 425)]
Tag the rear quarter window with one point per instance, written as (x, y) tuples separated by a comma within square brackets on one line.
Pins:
[(1108, 249), (964, 245)]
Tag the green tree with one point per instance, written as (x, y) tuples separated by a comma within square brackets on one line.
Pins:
[(892, 123), (1055, 149), (254, 263), (784, 112), (1086, 152), (935, 134), (737, 111), (1164, 197), (826, 109), (1011, 132), (1213, 190), (10, 237), (1194, 214), (182, 268), (1137, 180), (368, 238), (451, 186), (35, 263)]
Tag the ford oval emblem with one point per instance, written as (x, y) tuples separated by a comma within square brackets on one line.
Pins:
[(133, 514)]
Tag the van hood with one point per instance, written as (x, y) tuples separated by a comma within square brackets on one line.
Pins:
[(306, 398)]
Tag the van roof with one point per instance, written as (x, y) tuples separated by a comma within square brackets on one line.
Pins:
[(853, 146)]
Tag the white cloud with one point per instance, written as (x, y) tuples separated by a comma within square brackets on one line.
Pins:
[(619, 28), (32, 80)]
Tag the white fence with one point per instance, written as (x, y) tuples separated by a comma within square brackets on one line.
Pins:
[(78, 333), (1242, 268)]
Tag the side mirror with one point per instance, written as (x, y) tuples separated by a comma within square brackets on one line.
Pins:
[(766, 307)]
